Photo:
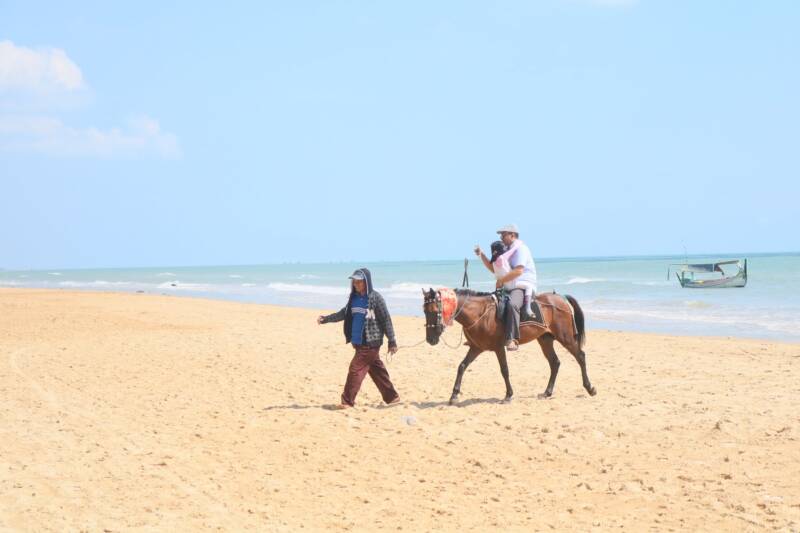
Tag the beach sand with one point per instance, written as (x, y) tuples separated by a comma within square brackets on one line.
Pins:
[(135, 411)]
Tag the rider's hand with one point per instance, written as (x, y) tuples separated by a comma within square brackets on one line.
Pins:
[(478, 250), (392, 350), (498, 284)]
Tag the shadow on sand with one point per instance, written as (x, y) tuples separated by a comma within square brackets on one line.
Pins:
[(465, 403), (325, 407), (418, 405), (297, 407)]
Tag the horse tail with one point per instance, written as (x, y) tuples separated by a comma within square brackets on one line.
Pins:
[(580, 323)]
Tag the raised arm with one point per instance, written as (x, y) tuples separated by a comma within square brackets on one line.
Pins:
[(484, 259)]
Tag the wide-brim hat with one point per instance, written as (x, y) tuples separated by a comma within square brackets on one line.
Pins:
[(509, 228)]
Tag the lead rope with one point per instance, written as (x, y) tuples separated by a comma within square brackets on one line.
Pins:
[(389, 357)]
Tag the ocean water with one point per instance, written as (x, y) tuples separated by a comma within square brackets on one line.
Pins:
[(618, 293)]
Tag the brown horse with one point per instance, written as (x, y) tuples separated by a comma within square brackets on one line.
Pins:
[(477, 314)]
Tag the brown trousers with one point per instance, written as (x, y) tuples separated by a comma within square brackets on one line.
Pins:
[(367, 361)]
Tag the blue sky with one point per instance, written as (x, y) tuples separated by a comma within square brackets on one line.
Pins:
[(144, 134)]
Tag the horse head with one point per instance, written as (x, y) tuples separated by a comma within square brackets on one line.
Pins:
[(432, 307)]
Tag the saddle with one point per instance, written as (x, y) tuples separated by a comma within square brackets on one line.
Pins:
[(536, 316)]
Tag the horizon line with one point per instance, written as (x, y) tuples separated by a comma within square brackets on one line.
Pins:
[(384, 261)]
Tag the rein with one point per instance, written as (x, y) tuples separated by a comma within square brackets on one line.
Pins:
[(458, 312), (465, 328), (488, 308)]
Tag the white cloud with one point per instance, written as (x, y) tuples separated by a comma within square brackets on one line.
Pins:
[(49, 136), (43, 71), (44, 80)]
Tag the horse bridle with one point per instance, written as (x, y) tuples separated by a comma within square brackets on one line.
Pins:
[(439, 318)]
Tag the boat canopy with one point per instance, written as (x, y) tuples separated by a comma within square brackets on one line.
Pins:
[(707, 267), (686, 271)]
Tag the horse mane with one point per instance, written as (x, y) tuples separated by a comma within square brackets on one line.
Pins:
[(470, 292)]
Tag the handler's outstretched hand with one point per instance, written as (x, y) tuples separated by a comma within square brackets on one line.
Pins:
[(393, 350), (320, 318)]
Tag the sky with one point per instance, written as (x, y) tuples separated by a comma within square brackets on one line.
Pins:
[(172, 133)]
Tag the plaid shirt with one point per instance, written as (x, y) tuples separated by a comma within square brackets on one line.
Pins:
[(377, 323)]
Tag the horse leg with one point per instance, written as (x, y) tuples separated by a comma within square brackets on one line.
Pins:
[(471, 355), (580, 356), (546, 342), (501, 358)]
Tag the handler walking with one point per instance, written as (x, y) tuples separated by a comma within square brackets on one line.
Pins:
[(366, 320)]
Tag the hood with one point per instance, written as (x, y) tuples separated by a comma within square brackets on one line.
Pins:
[(367, 276)]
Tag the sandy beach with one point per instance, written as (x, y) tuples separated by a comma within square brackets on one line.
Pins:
[(135, 411)]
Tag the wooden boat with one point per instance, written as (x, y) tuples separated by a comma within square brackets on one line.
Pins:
[(685, 273)]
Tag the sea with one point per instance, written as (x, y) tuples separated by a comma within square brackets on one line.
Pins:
[(616, 293)]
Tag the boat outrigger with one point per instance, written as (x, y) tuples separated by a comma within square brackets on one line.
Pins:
[(686, 274)]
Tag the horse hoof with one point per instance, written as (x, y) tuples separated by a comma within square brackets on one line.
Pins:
[(545, 395), (453, 400), (592, 391), (507, 399)]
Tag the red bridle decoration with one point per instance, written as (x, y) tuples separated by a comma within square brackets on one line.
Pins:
[(449, 303)]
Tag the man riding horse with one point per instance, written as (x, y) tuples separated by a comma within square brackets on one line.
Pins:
[(521, 274)]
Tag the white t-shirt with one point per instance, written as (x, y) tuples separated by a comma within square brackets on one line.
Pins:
[(522, 256)]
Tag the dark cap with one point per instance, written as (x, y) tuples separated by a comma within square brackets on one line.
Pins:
[(498, 248)]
